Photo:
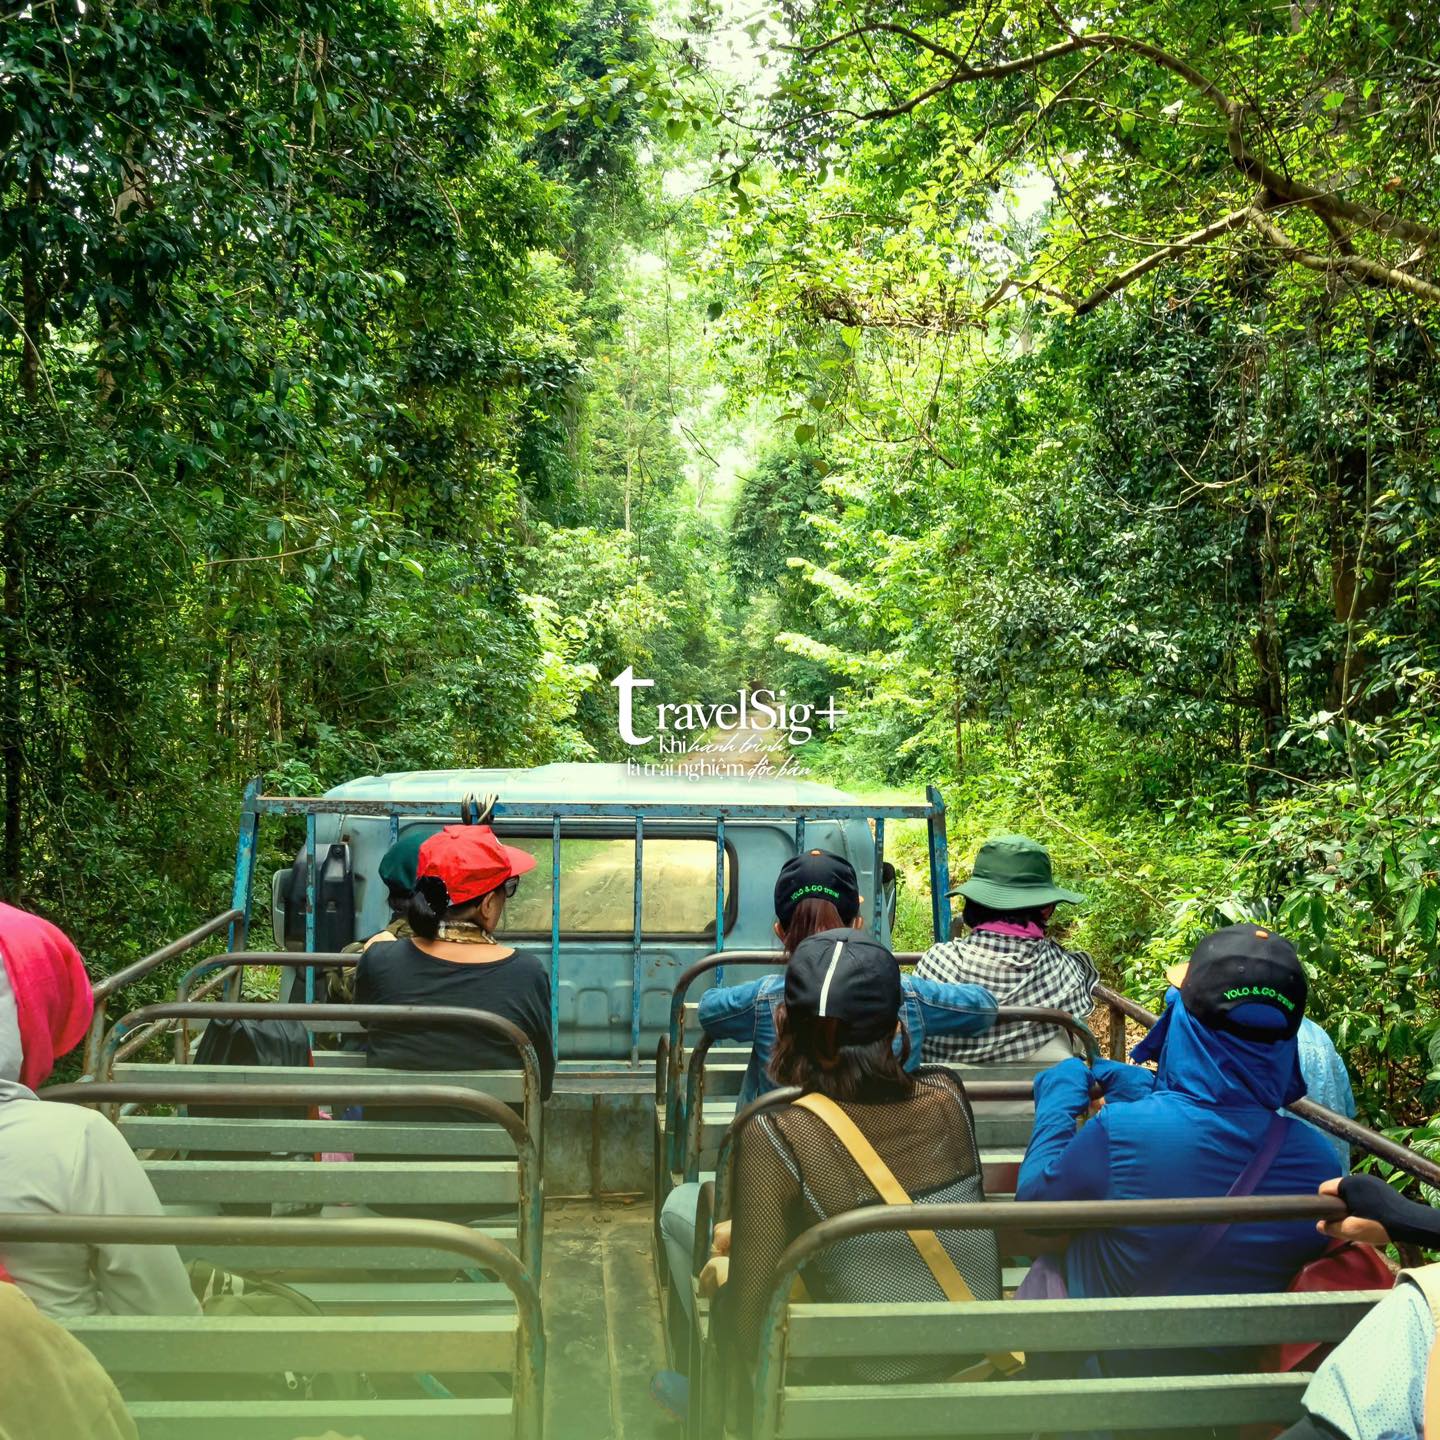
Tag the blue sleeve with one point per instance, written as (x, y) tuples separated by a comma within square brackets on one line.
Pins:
[(1120, 1083), (1374, 1383), (952, 1009), (727, 1012), (1062, 1163)]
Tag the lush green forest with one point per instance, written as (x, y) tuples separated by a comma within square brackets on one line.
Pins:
[(380, 378)]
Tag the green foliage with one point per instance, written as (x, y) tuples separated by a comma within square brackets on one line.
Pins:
[(297, 360), (378, 379)]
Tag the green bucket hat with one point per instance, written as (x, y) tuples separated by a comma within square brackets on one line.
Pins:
[(400, 862), (1013, 873)]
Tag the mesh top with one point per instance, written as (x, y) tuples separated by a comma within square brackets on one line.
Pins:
[(791, 1172)]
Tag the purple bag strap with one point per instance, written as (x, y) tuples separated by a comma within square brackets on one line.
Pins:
[(1212, 1235)]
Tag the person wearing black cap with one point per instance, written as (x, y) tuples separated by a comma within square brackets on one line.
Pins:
[(800, 1164), (815, 892), (1205, 1122)]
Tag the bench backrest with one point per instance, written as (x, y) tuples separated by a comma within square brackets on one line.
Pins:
[(445, 1163), (160, 1348), (794, 1398), (480, 1021)]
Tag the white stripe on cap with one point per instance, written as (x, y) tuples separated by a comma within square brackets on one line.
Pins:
[(830, 975)]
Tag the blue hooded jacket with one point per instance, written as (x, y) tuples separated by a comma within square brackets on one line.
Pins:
[(1189, 1129)]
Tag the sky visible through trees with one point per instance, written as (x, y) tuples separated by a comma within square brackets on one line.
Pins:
[(1058, 391)]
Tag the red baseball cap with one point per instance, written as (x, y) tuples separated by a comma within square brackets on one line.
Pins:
[(471, 861)]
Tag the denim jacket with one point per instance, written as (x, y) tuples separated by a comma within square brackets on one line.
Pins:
[(746, 1013)]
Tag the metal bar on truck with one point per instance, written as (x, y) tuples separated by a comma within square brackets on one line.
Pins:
[(875, 928), (799, 834), (587, 810), (719, 892), (427, 1015), (106, 987), (939, 865), (394, 829), (244, 866), (310, 916), (635, 955), (555, 936)]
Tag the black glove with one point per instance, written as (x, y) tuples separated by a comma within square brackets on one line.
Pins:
[(1369, 1197)]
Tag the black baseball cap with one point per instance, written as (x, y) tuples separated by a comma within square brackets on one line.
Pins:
[(1238, 974), (843, 975), (817, 875)]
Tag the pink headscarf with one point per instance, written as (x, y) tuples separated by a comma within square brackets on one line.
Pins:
[(53, 998)]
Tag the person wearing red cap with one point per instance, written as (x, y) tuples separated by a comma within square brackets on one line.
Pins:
[(65, 1159), (464, 876)]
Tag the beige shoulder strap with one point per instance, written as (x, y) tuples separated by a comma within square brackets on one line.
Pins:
[(892, 1192), (1426, 1279)]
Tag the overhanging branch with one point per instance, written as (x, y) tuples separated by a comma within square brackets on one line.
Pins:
[(1328, 204), (1356, 266)]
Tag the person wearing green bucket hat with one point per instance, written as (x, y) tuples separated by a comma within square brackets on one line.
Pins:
[(1008, 903)]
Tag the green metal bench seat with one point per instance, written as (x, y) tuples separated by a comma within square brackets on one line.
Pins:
[(285, 1419), (281, 1164), (500, 1354), (373, 1137), (803, 1343)]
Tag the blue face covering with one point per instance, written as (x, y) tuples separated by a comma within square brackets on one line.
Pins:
[(1216, 1067)]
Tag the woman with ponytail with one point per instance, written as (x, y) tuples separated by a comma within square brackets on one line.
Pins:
[(816, 893), (839, 1041), (452, 956)]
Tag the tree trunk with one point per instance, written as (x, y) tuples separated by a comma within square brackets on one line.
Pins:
[(12, 755), (12, 747)]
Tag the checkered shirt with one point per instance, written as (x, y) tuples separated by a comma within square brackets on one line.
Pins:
[(1016, 971)]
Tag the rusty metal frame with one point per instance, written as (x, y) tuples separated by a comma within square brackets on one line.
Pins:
[(481, 1251), (320, 1091)]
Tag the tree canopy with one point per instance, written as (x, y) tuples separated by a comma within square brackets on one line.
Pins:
[(379, 378)]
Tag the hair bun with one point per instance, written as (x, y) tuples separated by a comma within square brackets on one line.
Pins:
[(432, 890)]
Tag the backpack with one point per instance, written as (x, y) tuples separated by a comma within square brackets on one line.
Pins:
[(1343, 1265), (250, 1042), (222, 1292)]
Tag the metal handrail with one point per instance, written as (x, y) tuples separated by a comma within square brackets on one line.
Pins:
[(680, 1113), (1030, 1216), (1331, 1121), (588, 810), (291, 959), (319, 1092), (232, 967), (482, 1251), (694, 1108), (674, 1116), (481, 1020), (107, 985)]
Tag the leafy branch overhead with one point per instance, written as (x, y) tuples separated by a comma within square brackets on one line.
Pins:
[(1164, 134)]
